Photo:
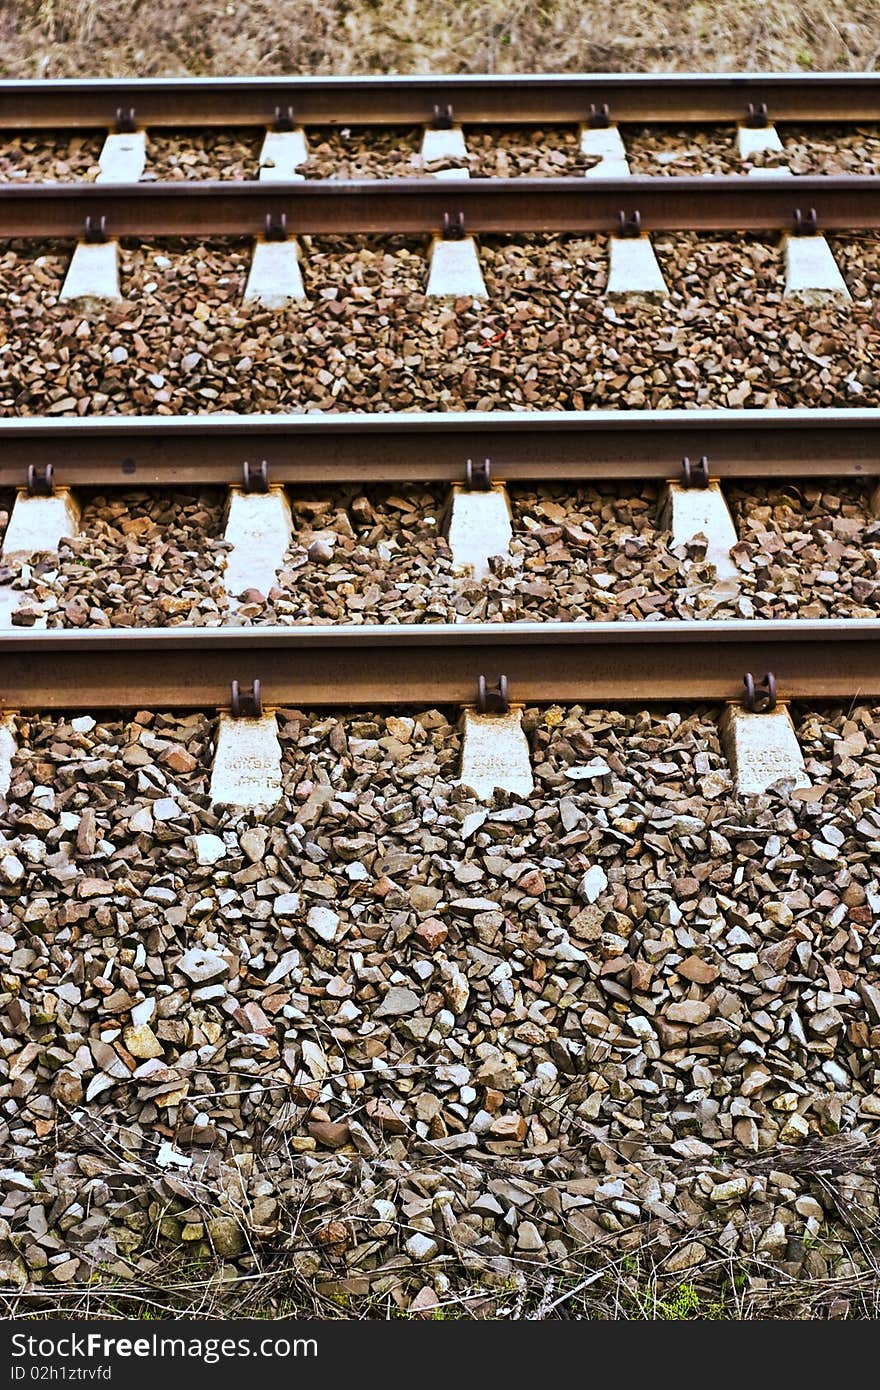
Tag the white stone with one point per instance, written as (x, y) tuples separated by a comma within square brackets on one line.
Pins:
[(11, 869), (443, 144), (495, 753), (39, 524), (258, 526), (202, 966), (143, 1012), (92, 279), (123, 158), (324, 922), (593, 883), (169, 1157), (275, 277), (286, 905), (420, 1247), (479, 527), (634, 270), (451, 174), (247, 763), (456, 989), (811, 272), (694, 511), (455, 270), (758, 140), (142, 821), (762, 749), (282, 153), (208, 848), (606, 145)]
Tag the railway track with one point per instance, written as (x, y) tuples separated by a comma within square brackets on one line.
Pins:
[(466, 206), (596, 663), (281, 203), (547, 446), (258, 890), (84, 103)]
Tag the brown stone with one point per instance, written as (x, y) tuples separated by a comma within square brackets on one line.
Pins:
[(67, 1087), (510, 1126), (383, 1114), (587, 925), (332, 1134), (432, 932), (333, 1236), (698, 970), (179, 759), (532, 883), (689, 1011), (641, 975)]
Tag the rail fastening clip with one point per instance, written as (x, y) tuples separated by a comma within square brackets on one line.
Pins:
[(756, 115), (599, 117), (629, 224), (247, 703), (492, 699), (805, 223), (695, 474), (760, 696), (453, 226), (95, 232), (284, 118), (40, 480), (478, 475), (125, 122), (276, 227), (444, 117), (255, 477)]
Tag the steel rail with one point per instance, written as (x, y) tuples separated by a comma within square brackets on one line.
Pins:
[(410, 100), (595, 663), (154, 451), (725, 203)]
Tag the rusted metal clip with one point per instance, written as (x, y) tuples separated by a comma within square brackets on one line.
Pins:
[(756, 115), (95, 232), (284, 118), (599, 117), (125, 122), (478, 475), (760, 696), (247, 703), (444, 117), (255, 477), (276, 227), (453, 226), (629, 224), (492, 699), (40, 481), (805, 223), (695, 474)]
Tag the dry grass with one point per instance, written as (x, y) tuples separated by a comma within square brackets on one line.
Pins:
[(57, 38)]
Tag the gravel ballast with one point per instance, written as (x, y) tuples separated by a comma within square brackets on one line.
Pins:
[(370, 340), (402, 1041), (375, 152), (147, 559)]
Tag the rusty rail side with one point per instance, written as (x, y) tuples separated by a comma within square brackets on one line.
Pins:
[(418, 206), (155, 451), (411, 100), (597, 663)]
